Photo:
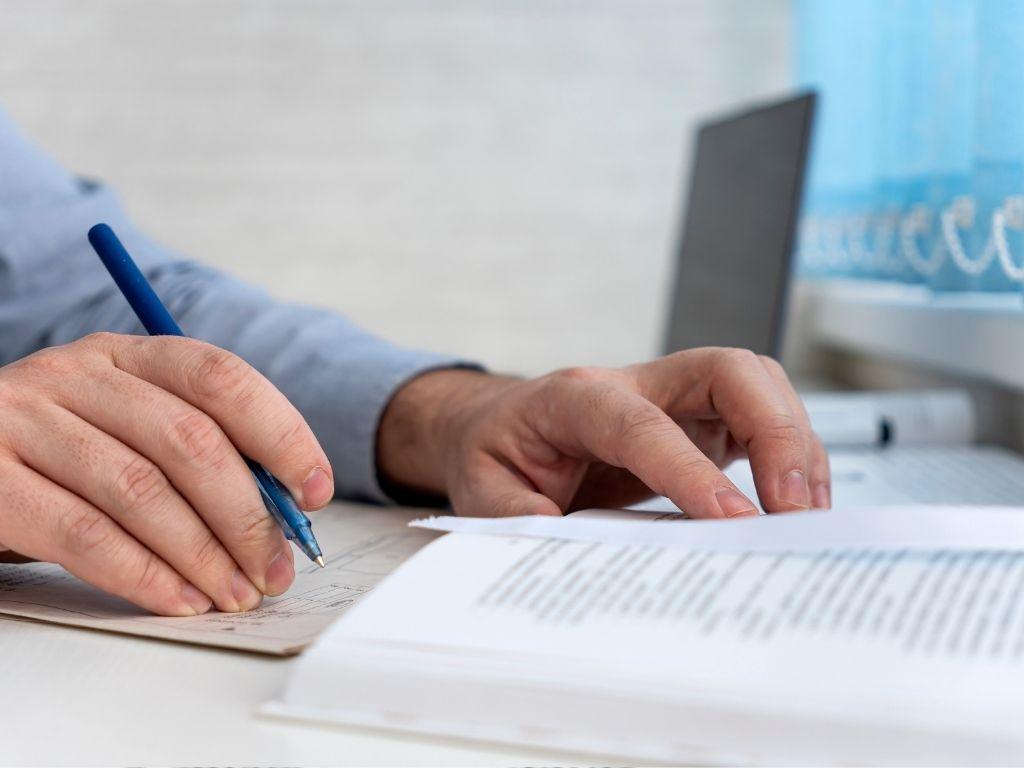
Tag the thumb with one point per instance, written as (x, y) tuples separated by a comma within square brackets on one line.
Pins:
[(495, 490)]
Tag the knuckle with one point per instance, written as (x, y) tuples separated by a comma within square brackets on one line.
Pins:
[(683, 354), (692, 465), (140, 485), (12, 395), (772, 365), (148, 579), (695, 358), (84, 529), (580, 375), (783, 428), (740, 358), (635, 427), (53, 363), (198, 439), (637, 422), (293, 438), (99, 340), (206, 554), (255, 528), (220, 374)]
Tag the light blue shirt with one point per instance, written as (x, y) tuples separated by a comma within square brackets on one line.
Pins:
[(53, 290)]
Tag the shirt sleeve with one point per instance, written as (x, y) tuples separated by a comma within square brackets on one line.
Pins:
[(53, 290)]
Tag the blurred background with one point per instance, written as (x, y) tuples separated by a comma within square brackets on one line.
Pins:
[(500, 180), (506, 181)]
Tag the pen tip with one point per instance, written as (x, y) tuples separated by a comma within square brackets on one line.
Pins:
[(320, 561)]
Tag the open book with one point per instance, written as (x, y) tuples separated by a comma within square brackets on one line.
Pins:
[(669, 653)]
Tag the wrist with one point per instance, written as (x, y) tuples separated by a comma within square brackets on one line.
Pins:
[(422, 427)]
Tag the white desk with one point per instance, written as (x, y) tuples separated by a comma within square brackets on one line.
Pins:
[(82, 697)]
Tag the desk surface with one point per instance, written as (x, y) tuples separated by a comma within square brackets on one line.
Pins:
[(82, 697)]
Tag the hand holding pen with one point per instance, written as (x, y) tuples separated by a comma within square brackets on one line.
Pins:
[(158, 322), (121, 461)]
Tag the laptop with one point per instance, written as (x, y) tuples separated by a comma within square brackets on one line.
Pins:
[(734, 255)]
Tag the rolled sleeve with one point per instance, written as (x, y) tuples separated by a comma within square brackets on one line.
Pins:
[(53, 290), (339, 376)]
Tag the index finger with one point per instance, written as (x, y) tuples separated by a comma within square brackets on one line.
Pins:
[(734, 385), (608, 422), (820, 476), (260, 421)]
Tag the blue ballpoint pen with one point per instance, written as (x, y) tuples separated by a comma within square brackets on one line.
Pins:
[(158, 322)]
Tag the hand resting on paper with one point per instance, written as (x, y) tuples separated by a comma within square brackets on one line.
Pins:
[(118, 461), (584, 437)]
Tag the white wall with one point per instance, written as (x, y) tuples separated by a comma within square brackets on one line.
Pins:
[(500, 180)]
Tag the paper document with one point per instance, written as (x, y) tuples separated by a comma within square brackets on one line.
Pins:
[(361, 546), (674, 655), (886, 528)]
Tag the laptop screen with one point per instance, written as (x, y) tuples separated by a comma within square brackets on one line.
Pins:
[(734, 256)]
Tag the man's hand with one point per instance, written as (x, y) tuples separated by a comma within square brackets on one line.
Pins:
[(118, 461), (600, 437)]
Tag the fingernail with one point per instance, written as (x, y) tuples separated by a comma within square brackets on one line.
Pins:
[(822, 496), (734, 504), (317, 489), (795, 491), (199, 602), (247, 596), (280, 575)]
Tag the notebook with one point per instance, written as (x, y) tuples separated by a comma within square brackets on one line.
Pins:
[(361, 545)]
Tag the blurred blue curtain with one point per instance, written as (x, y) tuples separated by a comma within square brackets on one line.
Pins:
[(917, 166)]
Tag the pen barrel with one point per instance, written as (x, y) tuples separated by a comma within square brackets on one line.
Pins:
[(133, 284), (278, 501), (158, 322)]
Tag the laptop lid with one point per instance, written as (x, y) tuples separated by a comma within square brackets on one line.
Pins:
[(734, 256)]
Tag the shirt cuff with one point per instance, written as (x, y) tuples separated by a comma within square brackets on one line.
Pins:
[(370, 384)]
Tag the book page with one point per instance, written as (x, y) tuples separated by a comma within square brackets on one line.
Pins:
[(361, 546), (540, 594), (897, 639), (917, 528)]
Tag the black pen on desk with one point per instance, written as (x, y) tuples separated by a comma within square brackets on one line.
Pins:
[(158, 322)]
